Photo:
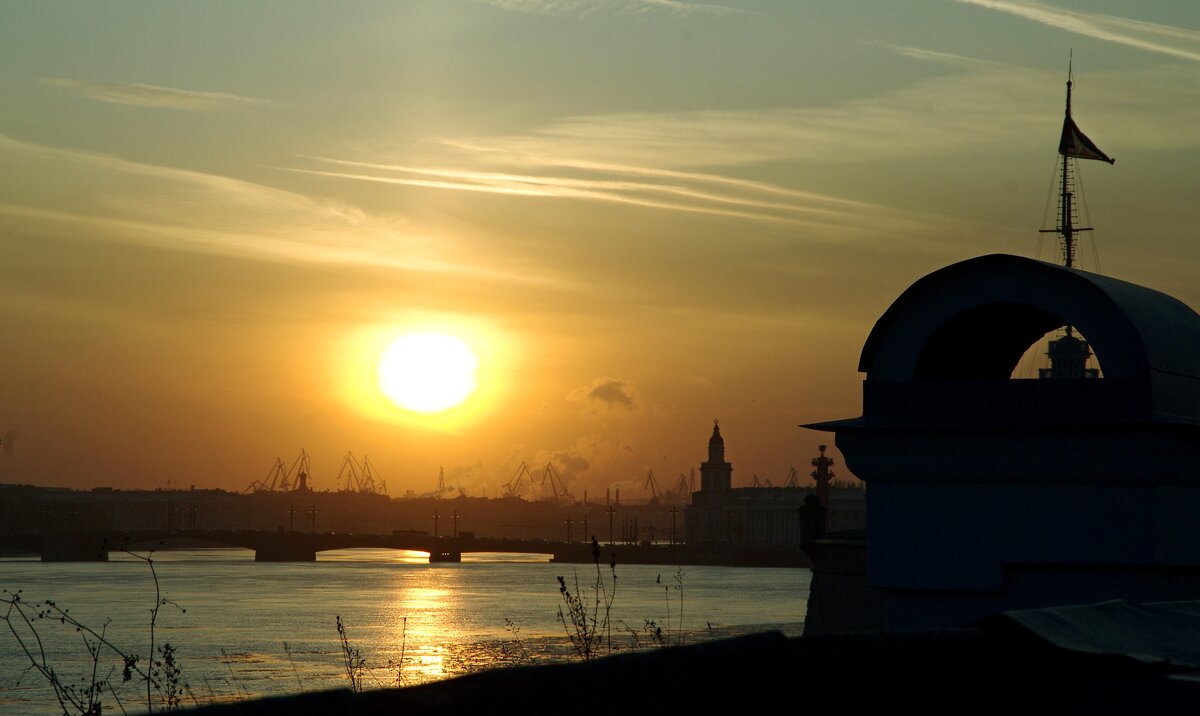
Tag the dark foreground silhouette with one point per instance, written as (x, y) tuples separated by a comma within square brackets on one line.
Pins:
[(1113, 657)]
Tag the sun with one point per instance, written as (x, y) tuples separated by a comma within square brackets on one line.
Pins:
[(428, 373)]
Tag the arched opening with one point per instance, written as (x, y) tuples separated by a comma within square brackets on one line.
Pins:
[(1059, 353), (995, 341)]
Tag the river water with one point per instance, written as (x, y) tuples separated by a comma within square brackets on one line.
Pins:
[(242, 629)]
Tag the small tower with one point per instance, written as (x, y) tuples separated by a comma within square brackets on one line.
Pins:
[(823, 475), (1068, 358), (716, 475)]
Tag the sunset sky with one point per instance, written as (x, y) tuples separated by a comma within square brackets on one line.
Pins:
[(640, 214)]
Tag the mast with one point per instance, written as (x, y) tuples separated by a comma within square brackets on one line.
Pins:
[(1066, 210), (1069, 354), (1073, 144)]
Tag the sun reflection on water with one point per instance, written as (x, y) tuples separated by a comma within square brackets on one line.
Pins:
[(374, 555), (268, 629), (425, 622)]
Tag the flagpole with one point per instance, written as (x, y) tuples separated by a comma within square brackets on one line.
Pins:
[(1068, 228), (1068, 354), (1066, 197), (1066, 223)]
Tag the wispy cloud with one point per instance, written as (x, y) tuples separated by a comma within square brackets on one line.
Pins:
[(585, 7), (1164, 39), (999, 109), (670, 161), (946, 58), (122, 201), (686, 191), (697, 161), (933, 117), (144, 95)]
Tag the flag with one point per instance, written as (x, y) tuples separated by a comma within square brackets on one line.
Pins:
[(1075, 143)]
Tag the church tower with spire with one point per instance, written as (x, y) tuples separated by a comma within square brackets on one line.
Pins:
[(716, 475), (758, 517)]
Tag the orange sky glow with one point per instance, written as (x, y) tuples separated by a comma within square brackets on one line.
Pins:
[(640, 215)]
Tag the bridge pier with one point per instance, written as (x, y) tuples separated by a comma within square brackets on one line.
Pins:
[(73, 548), (285, 547)]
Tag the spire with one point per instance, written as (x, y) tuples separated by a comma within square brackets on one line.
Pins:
[(716, 445), (715, 473)]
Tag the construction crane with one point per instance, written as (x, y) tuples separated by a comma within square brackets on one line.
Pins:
[(268, 484), (359, 476), (652, 485), (300, 470), (553, 487), (367, 481), (349, 471), (280, 479), (793, 478), (512, 488), (685, 486)]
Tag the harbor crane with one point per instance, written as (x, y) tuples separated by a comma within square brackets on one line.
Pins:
[(553, 487), (512, 488), (369, 482), (280, 479), (348, 473), (301, 470), (793, 478), (652, 485), (359, 476), (684, 487), (268, 483), (441, 488)]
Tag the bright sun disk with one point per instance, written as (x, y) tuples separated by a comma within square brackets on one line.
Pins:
[(428, 372)]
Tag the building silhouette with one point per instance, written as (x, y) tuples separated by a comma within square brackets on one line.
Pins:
[(987, 493), (758, 517)]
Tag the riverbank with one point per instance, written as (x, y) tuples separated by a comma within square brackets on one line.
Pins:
[(990, 668)]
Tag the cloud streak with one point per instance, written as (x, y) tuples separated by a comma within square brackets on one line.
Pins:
[(669, 161), (687, 192), (1001, 109), (1178, 42), (935, 117), (154, 96), (695, 161), (946, 58), (123, 201), (588, 7)]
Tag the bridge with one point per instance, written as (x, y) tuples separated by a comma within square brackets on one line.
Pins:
[(277, 546)]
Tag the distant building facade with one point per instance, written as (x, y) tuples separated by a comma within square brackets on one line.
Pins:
[(755, 517)]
